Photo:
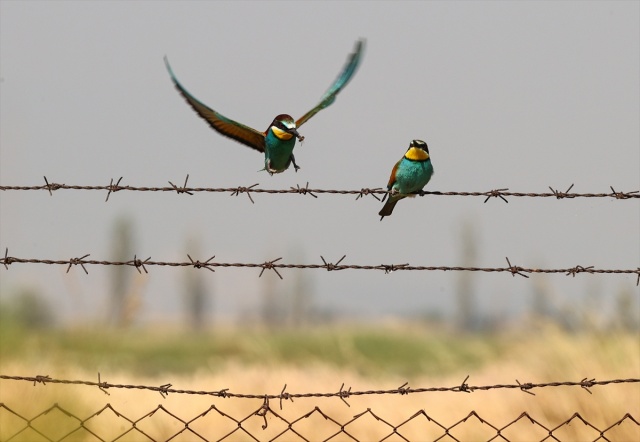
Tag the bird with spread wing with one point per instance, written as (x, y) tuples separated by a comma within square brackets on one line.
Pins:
[(278, 141)]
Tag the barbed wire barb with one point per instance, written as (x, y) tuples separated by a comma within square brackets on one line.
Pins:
[(199, 265), (76, 261), (390, 268), (238, 190), (102, 386), (51, 187), (344, 394), (560, 195), (182, 189), (622, 195), (284, 395), (329, 266), (526, 387), (8, 260), (586, 384), (113, 188), (137, 263), (164, 390), (578, 269), (463, 387), (303, 190), (403, 389), (496, 193), (515, 270), (40, 379), (270, 265), (366, 191)]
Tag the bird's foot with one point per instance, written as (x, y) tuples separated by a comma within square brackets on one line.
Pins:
[(391, 192), (293, 161)]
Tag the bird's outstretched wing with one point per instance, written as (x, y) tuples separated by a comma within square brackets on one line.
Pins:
[(340, 82), (227, 127)]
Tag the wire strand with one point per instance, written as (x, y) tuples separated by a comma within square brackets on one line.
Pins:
[(209, 264), (374, 192)]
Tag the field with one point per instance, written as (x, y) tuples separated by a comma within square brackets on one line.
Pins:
[(320, 360)]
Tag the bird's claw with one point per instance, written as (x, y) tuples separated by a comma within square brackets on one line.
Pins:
[(293, 161)]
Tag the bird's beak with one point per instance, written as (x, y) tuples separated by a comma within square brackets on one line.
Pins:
[(294, 131)]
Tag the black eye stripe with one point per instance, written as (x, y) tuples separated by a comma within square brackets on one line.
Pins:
[(421, 144)]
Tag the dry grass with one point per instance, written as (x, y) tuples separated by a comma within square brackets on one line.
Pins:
[(550, 355)]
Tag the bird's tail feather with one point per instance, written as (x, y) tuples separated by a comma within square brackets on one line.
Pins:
[(387, 209)]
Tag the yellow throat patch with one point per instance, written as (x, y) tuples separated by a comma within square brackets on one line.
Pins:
[(415, 154), (282, 135)]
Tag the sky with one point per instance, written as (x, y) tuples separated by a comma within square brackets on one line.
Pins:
[(518, 95)]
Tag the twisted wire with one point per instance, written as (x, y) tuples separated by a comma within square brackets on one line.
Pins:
[(374, 192), (209, 264)]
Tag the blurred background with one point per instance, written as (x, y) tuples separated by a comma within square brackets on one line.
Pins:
[(520, 96), (517, 95)]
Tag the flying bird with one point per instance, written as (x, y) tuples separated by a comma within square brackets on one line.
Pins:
[(408, 176), (278, 141)]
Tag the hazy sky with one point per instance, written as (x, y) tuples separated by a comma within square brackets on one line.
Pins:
[(518, 95)]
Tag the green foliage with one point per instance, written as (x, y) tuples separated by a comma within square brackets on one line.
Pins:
[(26, 309), (153, 352)]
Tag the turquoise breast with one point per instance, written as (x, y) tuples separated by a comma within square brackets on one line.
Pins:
[(277, 153), (412, 176)]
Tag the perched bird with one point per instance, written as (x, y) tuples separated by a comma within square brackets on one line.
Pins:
[(408, 176), (278, 141)]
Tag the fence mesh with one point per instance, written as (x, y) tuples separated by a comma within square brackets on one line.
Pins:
[(277, 417), (57, 423)]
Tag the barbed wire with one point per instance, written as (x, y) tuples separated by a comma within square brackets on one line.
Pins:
[(343, 393), (374, 192), (274, 265), (423, 424)]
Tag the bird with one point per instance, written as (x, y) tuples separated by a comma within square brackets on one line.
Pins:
[(278, 141), (408, 176)]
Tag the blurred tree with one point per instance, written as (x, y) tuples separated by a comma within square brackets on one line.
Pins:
[(627, 311), (540, 307), (196, 299), (27, 308), (466, 316), (300, 300), (123, 304), (591, 307), (301, 295), (273, 309)]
